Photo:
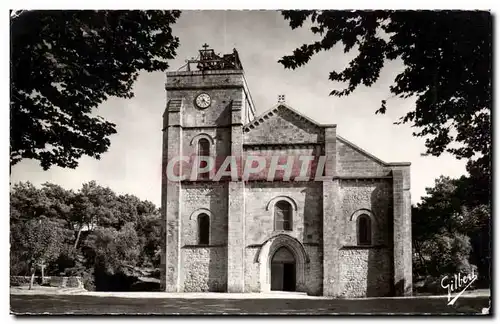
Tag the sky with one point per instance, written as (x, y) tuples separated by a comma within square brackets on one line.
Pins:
[(133, 162)]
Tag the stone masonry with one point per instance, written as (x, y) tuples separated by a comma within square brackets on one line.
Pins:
[(324, 236)]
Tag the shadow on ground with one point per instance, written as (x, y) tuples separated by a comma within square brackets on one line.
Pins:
[(80, 305)]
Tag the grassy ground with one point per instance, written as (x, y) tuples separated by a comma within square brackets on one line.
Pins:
[(74, 304)]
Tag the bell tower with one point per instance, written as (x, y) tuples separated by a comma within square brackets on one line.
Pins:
[(208, 102)]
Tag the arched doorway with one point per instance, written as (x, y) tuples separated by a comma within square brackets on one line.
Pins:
[(269, 250), (283, 270)]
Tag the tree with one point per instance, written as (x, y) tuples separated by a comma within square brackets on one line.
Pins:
[(448, 254), (451, 231), (51, 201), (94, 233), (27, 202), (65, 63), (93, 206), (113, 251), (149, 232), (60, 202), (37, 241), (447, 57)]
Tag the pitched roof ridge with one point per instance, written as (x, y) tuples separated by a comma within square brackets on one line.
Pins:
[(301, 115), (273, 110), (260, 119), (360, 150)]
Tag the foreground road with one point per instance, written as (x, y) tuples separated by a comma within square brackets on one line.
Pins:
[(74, 304)]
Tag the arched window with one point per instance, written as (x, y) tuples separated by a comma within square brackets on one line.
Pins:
[(203, 150), (364, 230), (283, 216), (203, 229)]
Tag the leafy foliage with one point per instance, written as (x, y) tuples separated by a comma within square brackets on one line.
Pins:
[(151, 238), (451, 231), (93, 205), (117, 232), (113, 249), (447, 57), (447, 68), (448, 254), (65, 63), (36, 241)]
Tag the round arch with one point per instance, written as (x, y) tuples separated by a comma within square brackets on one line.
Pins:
[(272, 202), (373, 227), (363, 211), (197, 137), (194, 215)]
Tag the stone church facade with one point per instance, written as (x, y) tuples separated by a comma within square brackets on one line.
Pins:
[(348, 235)]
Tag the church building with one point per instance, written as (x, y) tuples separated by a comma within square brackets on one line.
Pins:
[(345, 235)]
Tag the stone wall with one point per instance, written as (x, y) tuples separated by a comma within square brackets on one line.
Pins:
[(204, 269), (282, 126), (207, 197), (52, 281), (284, 152), (260, 221), (224, 87), (221, 137), (402, 232), (374, 196), (182, 122), (365, 272), (306, 228), (353, 162), (314, 270), (217, 113), (209, 79), (252, 268)]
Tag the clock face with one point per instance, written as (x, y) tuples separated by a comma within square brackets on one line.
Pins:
[(203, 100)]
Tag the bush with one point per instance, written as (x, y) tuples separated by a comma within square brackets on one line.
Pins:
[(16, 281), (444, 254), (73, 282), (88, 281)]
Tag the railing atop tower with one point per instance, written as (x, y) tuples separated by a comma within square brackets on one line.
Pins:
[(208, 60)]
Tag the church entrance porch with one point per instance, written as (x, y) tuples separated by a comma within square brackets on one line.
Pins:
[(283, 271)]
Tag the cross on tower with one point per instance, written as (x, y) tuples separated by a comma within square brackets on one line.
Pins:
[(281, 98), (205, 46)]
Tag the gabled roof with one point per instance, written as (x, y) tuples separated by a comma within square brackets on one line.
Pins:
[(360, 150), (371, 156), (274, 110), (265, 118)]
